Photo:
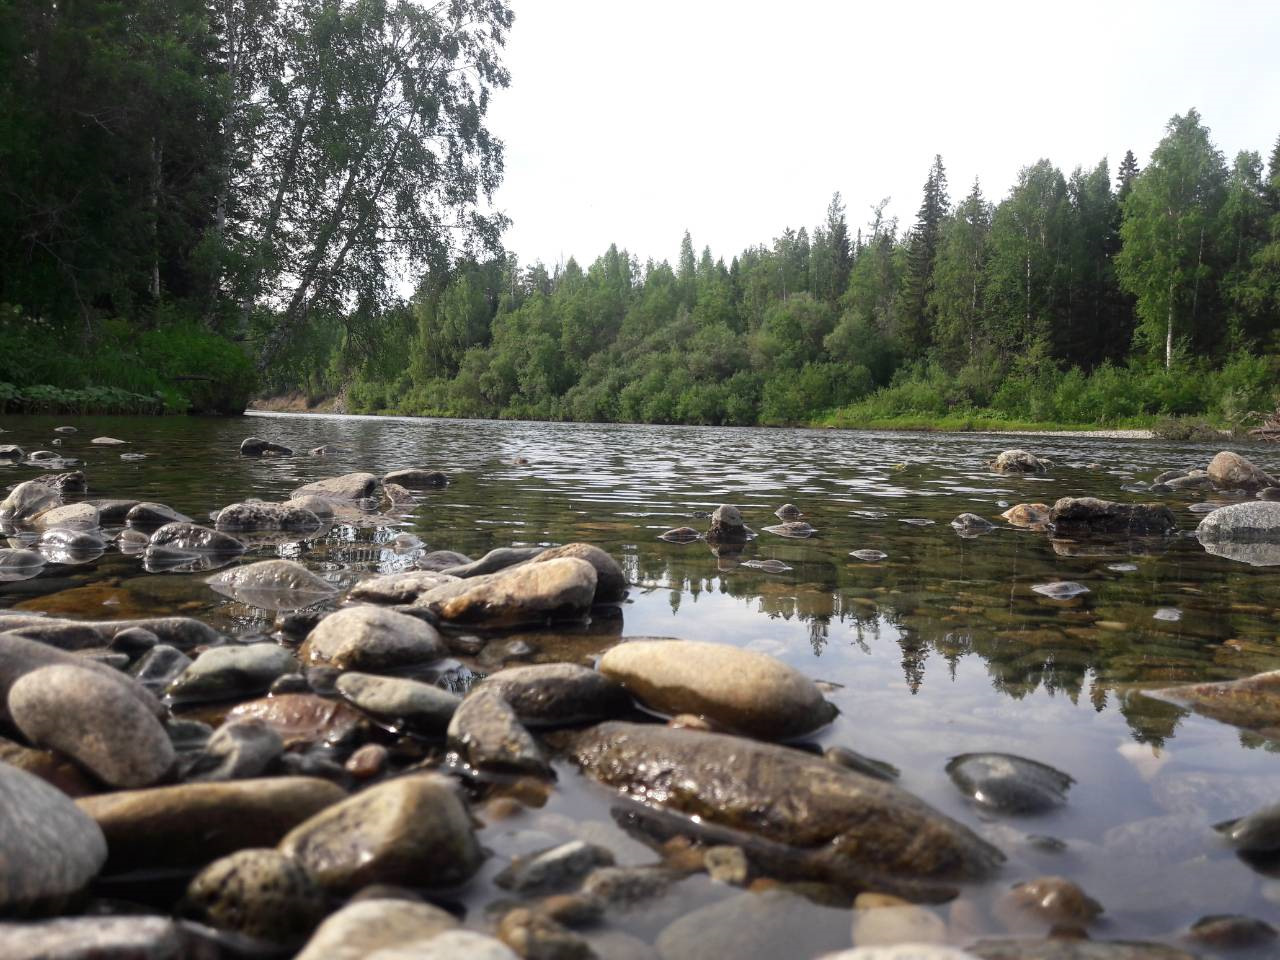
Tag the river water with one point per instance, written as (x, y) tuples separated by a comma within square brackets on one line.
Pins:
[(942, 648)]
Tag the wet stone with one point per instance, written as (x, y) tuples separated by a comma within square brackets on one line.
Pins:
[(1006, 783), (554, 694), (768, 566), (972, 525), (1270, 494), (416, 478), (257, 515), (792, 529), (49, 849), (222, 673), (1084, 516), (193, 538), (160, 666), (485, 732), (553, 869), (1027, 514), (272, 585), (412, 830), (885, 925), (752, 926), (611, 583), (257, 447), (788, 512), (727, 865), (1259, 832), (628, 887), (681, 535), (867, 766), (102, 938), (535, 936), (1075, 950), (1230, 471), (1252, 703), (364, 927), (74, 516), (303, 718), (348, 487), (403, 587), (1052, 901), (441, 560), (869, 556), (260, 893), (371, 638), (1231, 932), (319, 507), (153, 516), (27, 501), (1019, 461), (239, 750), (1060, 589), (727, 525), (494, 561), (421, 707), (563, 588)]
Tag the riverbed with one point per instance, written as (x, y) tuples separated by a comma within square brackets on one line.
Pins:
[(940, 648)]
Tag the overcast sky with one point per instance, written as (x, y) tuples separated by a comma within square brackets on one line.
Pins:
[(629, 122)]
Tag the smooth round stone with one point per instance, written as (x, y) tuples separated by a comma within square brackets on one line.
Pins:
[(1259, 832), (193, 538), (458, 945), (1168, 614), (1019, 461), (319, 506), (906, 923), (972, 525), (237, 750), (680, 535), (152, 516), (555, 694), (260, 893), (441, 560), (364, 927), (412, 830), (191, 824), (49, 849), (100, 938), (554, 869), (303, 718), (1231, 931), (485, 732), (19, 564), (1070, 949), (1060, 589), (869, 556), (349, 486), (1230, 471), (532, 933), (28, 500), (742, 690), (371, 638), (1009, 784), (274, 585), (494, 561), (257, 447), (1027, 514), (416, 478), (403, 587), (236, 670), (1051, 901), (107, 441), (792, 529), (611, 582), (419, 706), (788, 512), (73, 516), (561, 588), (160, 666), (751, 926), (902, 951), (257, 515), (95, 720)]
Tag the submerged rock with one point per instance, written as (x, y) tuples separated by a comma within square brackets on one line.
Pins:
[(11, 453), (195, 539), (1252, 703), (1230, 471), (103, 938), (349, 486), (273, 585), (1083, 516), (1065, 949), (1259, 832), (442, 560), (238, 750), (259, 515), (49, 849), (768, 566), (792, 529), (869, 556), (1231, 932), (257, 447), (788, 512), (412, 830), (152, 516), (321, 508), (416, 478), (972, 525), (1019, 461), (1028, 514), (727, 525), (302, 718), (19, 565), (1247, 532), (681, 535), (738, 689), (1060, 589), (553, 869), (795, 813), (611, 582), (371, 638), (1049, 901), (1006, 783), (493, 562), (533, 593), (73, 516), (755, 926)]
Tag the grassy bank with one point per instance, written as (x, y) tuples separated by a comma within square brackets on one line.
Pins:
[(968, 421)]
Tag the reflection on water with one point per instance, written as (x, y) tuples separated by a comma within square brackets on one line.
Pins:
[(938, 648)]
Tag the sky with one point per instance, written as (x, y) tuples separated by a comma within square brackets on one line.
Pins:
[(630, 122)]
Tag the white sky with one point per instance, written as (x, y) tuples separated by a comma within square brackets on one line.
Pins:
[(628, 121)]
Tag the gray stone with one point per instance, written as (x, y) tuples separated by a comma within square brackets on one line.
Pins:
[(738, 689), (238, 750), (486, 734), (372, 639), (902, 951), (260, 893), (71, 482), (11, 453), (792, 530), (535, 936), (259, 515), (727, 524), (1060, 589), (1199, 481), (450, 945), (794, 814), (557, 694), (611, 582), (221, 673), (193, 538), (411, 830), (191, 824), (1230, 471), (1019, 461), (63, 540), (94, 720), (327, 450), (680, 535), (318, 506), (753, 926), (534, 593), (492, 562), (398, 587), (554, 869), (103, 938), (350, 486), (49, 849), (1009, 784), (972, 525), (626, 887), (181, 632), (1256, 521), (152, 516), (363, 927), (788, 511), (1075, 950), (107, 441), (421, 707), (1083, 516), (1259, 832), (28, 500), (73, 516), (257, 447), (442, 560), (272, 585), (416, 478), (18, 565)]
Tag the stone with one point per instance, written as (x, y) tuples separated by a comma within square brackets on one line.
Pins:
[(1259, 832), (153, 516), (257, 447), (611, 582), (792, 530), (191, 824), (727, 864), (740, 690), (972, 525), (534, 593), (1230, 471), (259, 893), (363, 927), (755, 926), (233, 671), (107, 441), (411, 830), (557, 694), (902, 951), (727, 525), (416, 478), (888, 925), (1231, 932), (768, 566), (193, 538), (1027, 515), (442, 560), (535, 936), (869, 556), (794, 814), (403, 587), (63, 540), (493, 562), (327, 450), (28, 500), (396, 494), (420, 707), (787, 512), (303, 718), (1252, 522), (371, 639), (627, 887), (485, 732), (1198, 481), (321, 508), (1065, 949), (1085, 516), (450, 945), (1005, 783), (71, 482), (181, 632), (53, 768), (1270, 494), (681, 535), (103, 938), (1019, 461), (274, 585), (1251, 703), (348, 487), (73, 516), (11, 453), (368, 762), (1050, 901), (1060, 589), (238, 750), (868, 767), (19, 565), (94, 720), (555, 869), (258, 515), (49, 849)]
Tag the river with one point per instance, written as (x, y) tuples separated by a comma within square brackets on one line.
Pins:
[(939, 649)]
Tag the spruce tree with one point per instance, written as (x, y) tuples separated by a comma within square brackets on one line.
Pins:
[(1125, 176), (915, 313)]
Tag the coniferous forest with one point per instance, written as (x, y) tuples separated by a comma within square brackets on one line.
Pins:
[(202, 201)]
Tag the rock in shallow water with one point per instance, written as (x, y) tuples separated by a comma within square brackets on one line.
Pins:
[(533, 593), (259, 515), (1084, 516), (28, 500), (413, 830), (755, 926), (193, 538), (421, 707), (797, 814), (1007, 783), (1019, 461), (1230, 471), (302, 718), (363, 927), (1252, 703), (257, 447), (1259, 832), (103, 938), (152, 516), (273, 585), (238, 750), (371, 638), (553, 869), (49, 849), (94, 720), (398, 588), (416, 478), (741, 690), (1075, 950), (258, 892), (554, 694), (1027, 515), (236, 670), (349, 486), (485, 732), (1060, 589), (611, 583)]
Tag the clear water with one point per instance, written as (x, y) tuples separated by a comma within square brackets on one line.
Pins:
[(940, 649)]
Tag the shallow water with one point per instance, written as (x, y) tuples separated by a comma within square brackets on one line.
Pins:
[(942, 648)]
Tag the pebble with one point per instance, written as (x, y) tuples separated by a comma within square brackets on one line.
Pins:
[(794, 530), (303, 718), (751, 926), (1231, 932), (348, 487), (152, 516), (972, 525), (869, 556), (681, 535), (486, 734), (259, 893), (95, 720), (160, 666), (412, 830), (441, 560), (1168, 614), (562, 588), (1259, 832), (1052, 901), (727, 864), (421, 707), (274, 585), (558, 694), (403, 587), (107, 441), (367, 762), (222, 673), (1006, 783), (371, 638), (1060, 589), (555, 869), (103, 938), (535, 936), (888, 925), (852, 760), (363, 927), (193, 538), (416, 478), (238, 750), (73, 516)]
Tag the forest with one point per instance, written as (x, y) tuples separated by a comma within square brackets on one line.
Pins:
[(204, 201)]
